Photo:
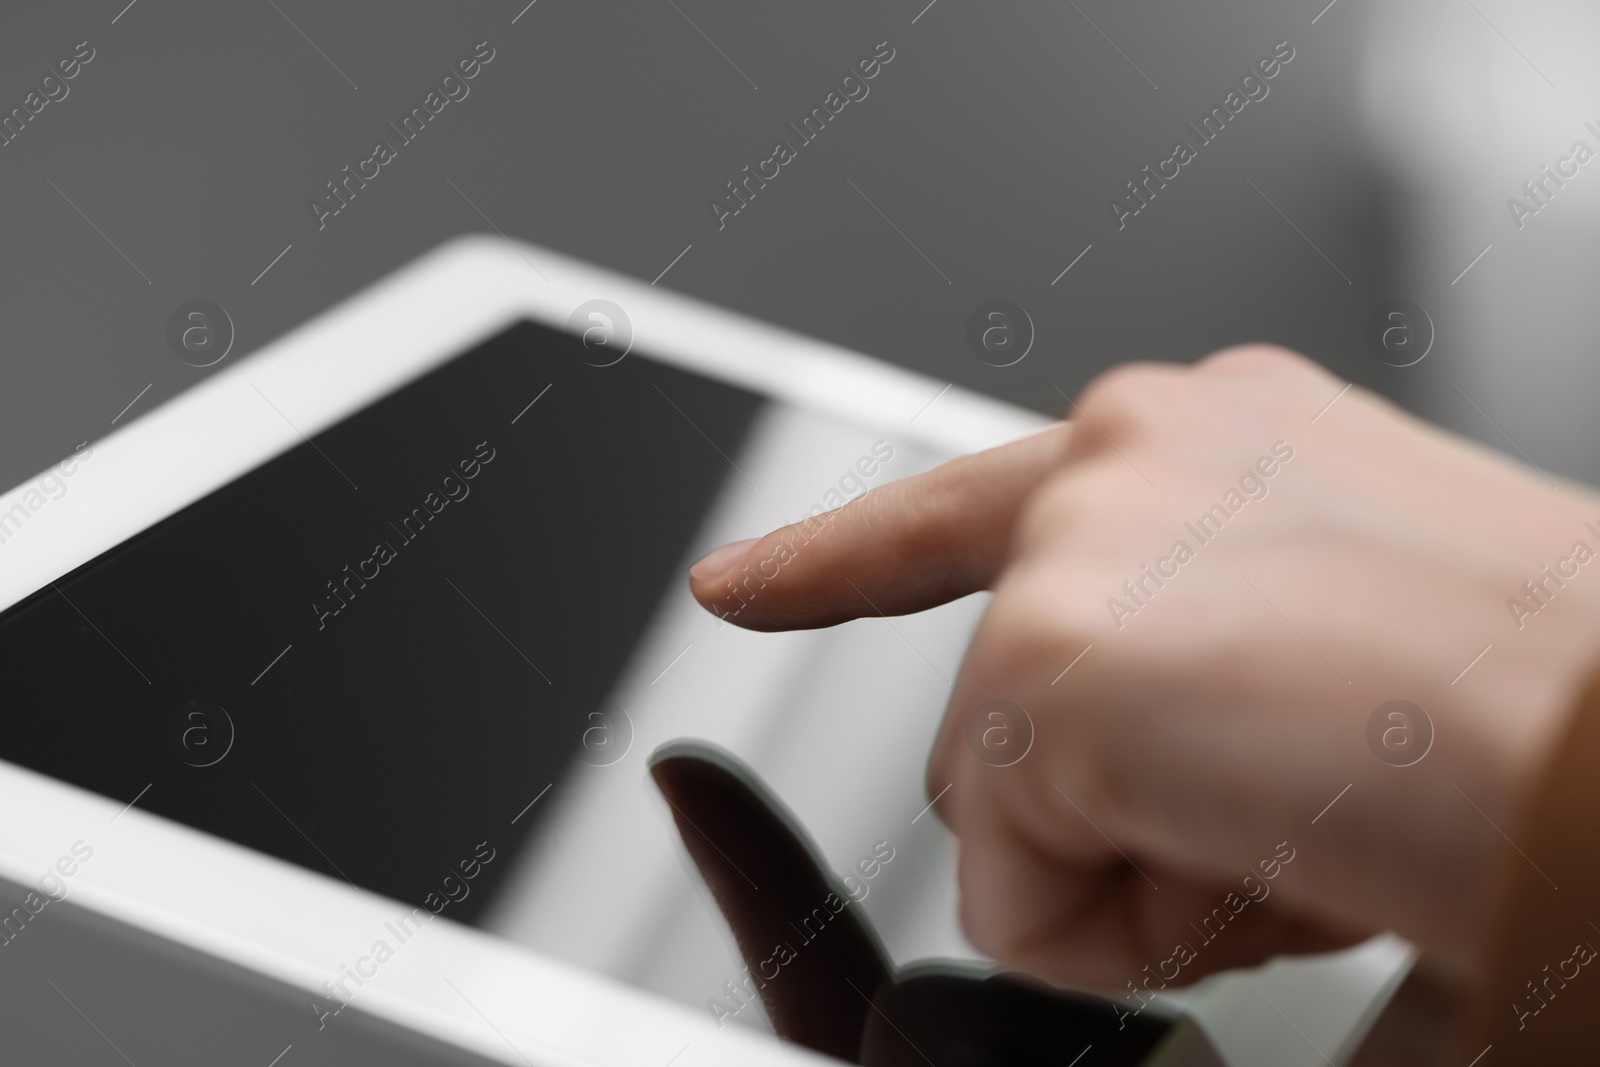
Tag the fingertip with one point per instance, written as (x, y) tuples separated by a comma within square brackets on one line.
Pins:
[(719, 562), (712, 584)]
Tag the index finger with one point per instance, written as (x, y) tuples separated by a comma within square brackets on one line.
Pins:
[(903, 547)]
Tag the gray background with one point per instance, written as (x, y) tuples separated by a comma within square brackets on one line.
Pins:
[(195, 138), (198, 134), (200, 131)]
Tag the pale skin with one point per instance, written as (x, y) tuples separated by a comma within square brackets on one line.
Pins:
[(1222, 717)]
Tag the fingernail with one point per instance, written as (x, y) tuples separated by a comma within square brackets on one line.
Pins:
[(722, 559)]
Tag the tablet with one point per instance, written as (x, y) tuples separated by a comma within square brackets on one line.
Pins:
[(345, 666)]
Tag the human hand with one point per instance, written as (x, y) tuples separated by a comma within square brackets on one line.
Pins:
[(1202, 777)]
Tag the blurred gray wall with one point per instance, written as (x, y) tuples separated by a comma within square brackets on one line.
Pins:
[(979, 166)]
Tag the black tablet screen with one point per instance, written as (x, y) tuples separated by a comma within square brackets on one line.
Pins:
[(366, 655)]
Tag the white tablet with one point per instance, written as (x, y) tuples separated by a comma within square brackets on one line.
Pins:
[(345, 666)]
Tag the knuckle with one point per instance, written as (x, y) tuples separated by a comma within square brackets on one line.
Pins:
[(1115, 392), (1129, 407), (1270, 361)]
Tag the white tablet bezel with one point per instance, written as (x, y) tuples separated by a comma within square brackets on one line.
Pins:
[(298, 926)]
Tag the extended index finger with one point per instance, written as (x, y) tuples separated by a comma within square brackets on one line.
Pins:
[(903, 547)]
